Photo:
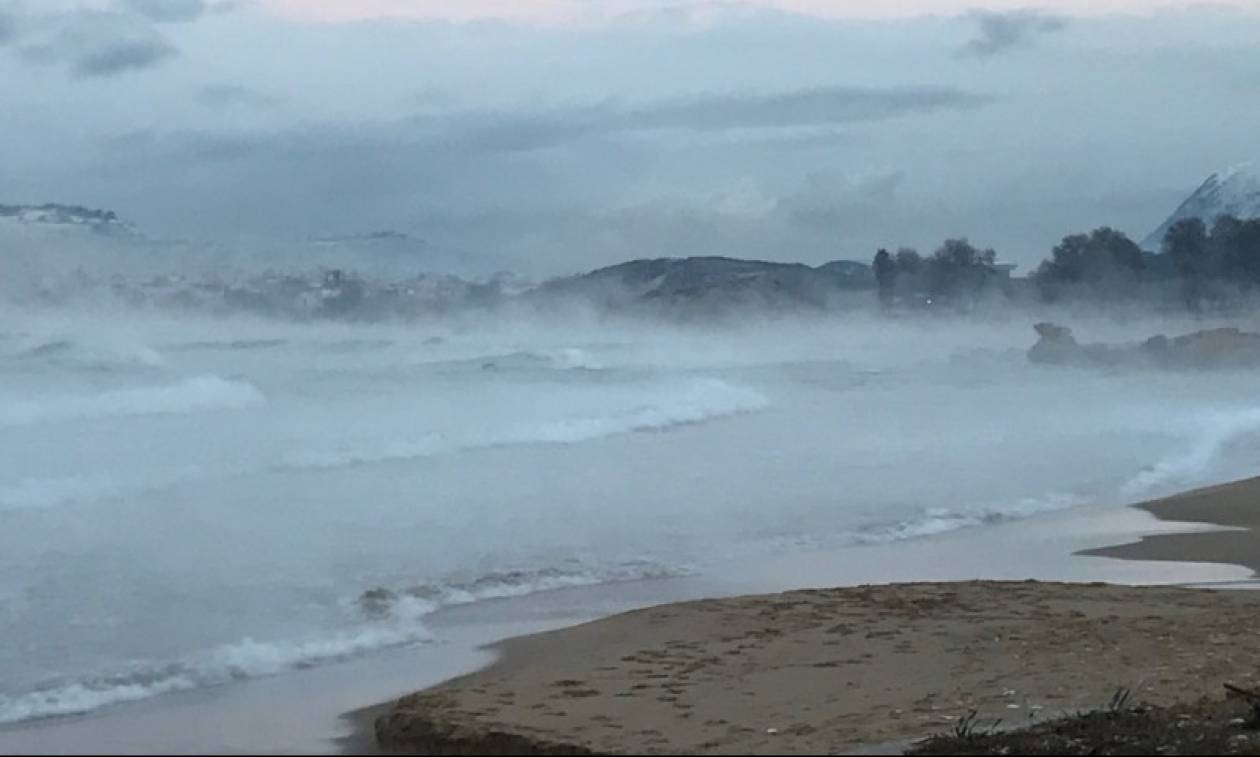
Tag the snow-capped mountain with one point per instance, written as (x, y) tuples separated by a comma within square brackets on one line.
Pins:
[(1233, 192)]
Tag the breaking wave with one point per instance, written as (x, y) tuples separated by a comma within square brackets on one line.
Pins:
[(940, 520), (425, 598), (695, 402), (928, 523), (187, 396), (233, 662), (394, 620)]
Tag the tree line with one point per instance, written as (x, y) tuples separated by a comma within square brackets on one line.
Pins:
[(1197, 266)]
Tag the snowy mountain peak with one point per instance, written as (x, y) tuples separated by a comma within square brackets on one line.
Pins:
[(1234, 191)]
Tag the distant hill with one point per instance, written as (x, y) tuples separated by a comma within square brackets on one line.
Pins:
[(1235, 192), (711, 283)]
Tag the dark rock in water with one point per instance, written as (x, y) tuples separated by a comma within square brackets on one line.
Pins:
[(1211, 348), (1057, 346), (377, 602)]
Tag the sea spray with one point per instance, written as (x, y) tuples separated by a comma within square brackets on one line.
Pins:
[(1194, 462), (192, 395)]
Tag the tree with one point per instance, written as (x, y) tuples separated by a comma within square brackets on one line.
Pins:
[(1105, 261), (885, 276), (1235, 244), (1186, 243), (959, 270), (909, 261)]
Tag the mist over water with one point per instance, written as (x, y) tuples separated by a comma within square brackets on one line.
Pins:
[(187, 502)]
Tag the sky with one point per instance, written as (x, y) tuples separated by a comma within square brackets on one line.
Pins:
[(552, 136)]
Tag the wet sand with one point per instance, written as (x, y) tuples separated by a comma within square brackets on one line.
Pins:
[(1235, 505), (827, 671)]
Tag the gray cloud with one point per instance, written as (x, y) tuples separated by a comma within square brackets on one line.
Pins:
[(830, 200), (122, 57), (167, 11), (97, 44), (999, 32), (233, 95), (8, 26), (820, 107)]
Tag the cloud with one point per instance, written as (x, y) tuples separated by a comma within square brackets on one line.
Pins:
[(8, 26), (234, 95), (829, 199), (167, 11), (1000, 32), (820, 107), (97, 44), (123, 56)]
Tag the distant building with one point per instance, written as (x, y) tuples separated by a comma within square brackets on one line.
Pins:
[(1004, 270)]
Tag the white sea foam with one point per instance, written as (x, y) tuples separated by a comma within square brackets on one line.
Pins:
[(395, 621), (187, 396), (232, 662), (939, 520), (419, 600)]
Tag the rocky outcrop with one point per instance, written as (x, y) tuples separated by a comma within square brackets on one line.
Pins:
[(1224, 347), (1211, 348)]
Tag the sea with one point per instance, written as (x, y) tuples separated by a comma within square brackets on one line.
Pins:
[(190, 502)]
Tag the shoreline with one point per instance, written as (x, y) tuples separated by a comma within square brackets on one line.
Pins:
[(1233, 509), (514, 705), (322, 710)]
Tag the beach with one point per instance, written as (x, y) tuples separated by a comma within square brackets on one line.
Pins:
[(570, 634), (842, 669)]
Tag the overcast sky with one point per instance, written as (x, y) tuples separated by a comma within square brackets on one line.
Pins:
[(562, 135)]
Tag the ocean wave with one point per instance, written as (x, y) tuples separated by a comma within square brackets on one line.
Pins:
[(942, 520), (102, 355), (42, 493), (229, 345), (560, 359), (393, 620), (693, 402), (187, 396), (928, 523), (232, 662), (1195, 462), (426, 598)]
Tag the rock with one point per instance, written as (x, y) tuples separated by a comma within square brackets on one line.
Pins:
[(1210, 348)]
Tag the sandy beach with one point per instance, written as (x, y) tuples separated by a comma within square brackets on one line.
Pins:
[(835, 670)]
